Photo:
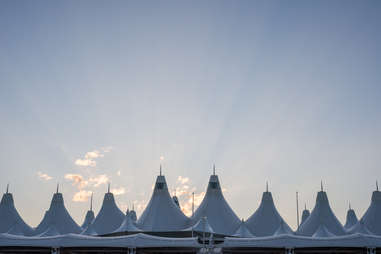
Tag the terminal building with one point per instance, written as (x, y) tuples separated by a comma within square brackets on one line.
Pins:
[(213, 228)]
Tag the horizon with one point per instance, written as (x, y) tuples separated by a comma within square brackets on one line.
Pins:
[(94, 92)]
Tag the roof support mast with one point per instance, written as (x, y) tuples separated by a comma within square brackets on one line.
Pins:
[(192, 204), (297, 209)]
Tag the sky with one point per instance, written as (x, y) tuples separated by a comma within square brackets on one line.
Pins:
[(97, 92)]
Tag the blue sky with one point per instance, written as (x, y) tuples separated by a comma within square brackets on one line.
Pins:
[(98, 91)]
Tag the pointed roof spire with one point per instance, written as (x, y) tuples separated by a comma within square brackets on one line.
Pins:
[(321, 185), (305, 206), (108, 188), (267, 186), (58, 186), (160, 169), (91, 202), (7, 188), (376, 185), (214, 169), (350, 205)]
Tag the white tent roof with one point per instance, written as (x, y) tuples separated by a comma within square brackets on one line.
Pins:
[(321, 215), (57, 219), (109, 217), (201, 226), (88, 219), (322, 231), (243, 231), (351, 219), (142, 240), (295, 241), (18, 229), (214, 206), (128, 224), (161, 213), (266, 220), (359, 227), (306, 213), (283, 229), (89, 215), (10, 219), (50, 231), (132, 214), (89, 230), (76, 240), (372, 217)]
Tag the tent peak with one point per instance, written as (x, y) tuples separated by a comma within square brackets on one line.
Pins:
[(108, 188), (321, 185), (58, 186), (267, 186), (7, 188), (160, 170), (214, 169), (376, 185)]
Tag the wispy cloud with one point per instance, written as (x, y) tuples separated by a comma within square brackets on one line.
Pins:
[(89, 160), (107, 149), (139, 205), (44, 176), (98, 180), (78, 180), (82, 196), (186, 204), (184, 192), (183, 180), (89, 180), (118, 191)]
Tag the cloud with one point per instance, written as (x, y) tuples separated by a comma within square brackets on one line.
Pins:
[(186, 206), (44, 176), (184, 192), (85, 162), (107, 149), (81, 196), (77, 180), (139, 205), (98, 180), (89, 159), (118, 191), (182, 180), (124, 206)]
